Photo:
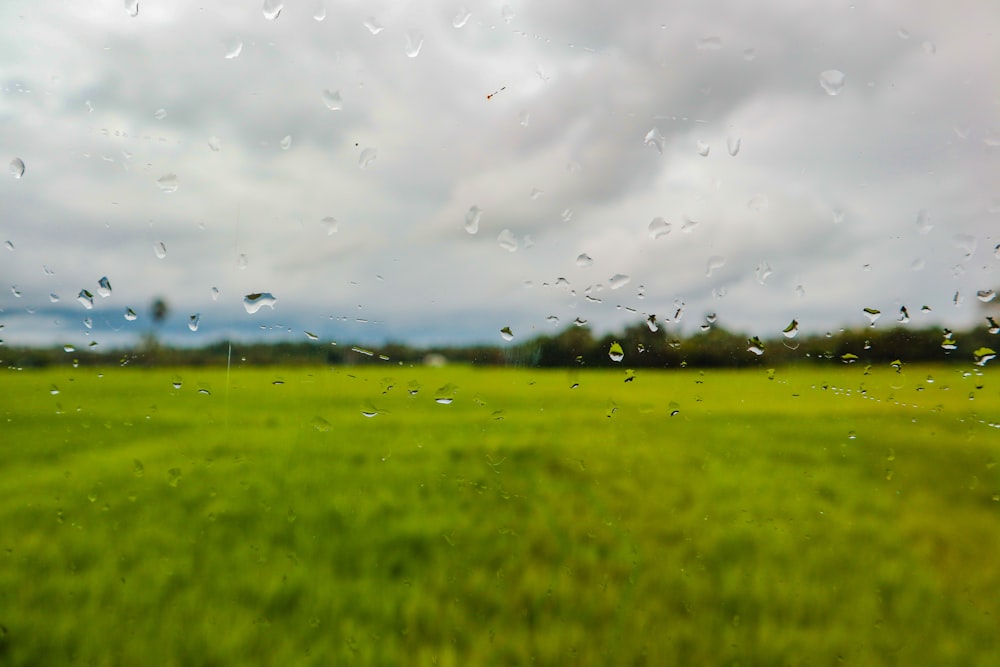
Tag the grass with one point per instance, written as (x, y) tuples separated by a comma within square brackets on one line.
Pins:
[(823, 516)]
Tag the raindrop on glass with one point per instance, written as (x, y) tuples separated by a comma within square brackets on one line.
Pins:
[(310, 335), (651, 323), (54, 390), (414, 42), (904, 315), (710, 43), (215, 144), (160, 114), (688, 225), (507, 334), (763, 272), (462, 17), (994, 328), (924, 221), (332, 100), (749, 55), (167, 183), (366, 158), (615, 352), (130, 315), (242, 262), (832, 81), (507, 12), (929, 48), (703, 148), (160, 250), (17, 167), (53, 297), (567, 215), (758, 203), (536, 193), (986, 295), (618, 280), (838, 216), (234, 49), (272, 8), (552, 319), (507, 240), (655, 139), (104, 287), (194, 321), (792, 330), (286, 142), (584, 260), (320, 14), (254, 302), (86, 299), (755, 346), (733, 145), (580, 322), (9, 245), (966, 242), (374, 27), (215, 294), (132, 8), (472, 218), (523, 118), (658, 227), (714, 263), (872, 314), (983, 355)]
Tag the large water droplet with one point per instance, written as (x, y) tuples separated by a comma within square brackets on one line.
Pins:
[(507, 240), (655, 139), (132, 8), (272, 8), (366, 158), (949, 341), (986, 295), (924, 221), (832, 81), (715, 262), (994, 328), (254, 302), (618, 280), (733, 145), (966, 242), (792, 330), (320, 13), (580, 322), (17, 167), (104, 287), (374, 27), (167, 183), (160, 250), (658, 227), (86, 299), (872, 314), (507, 334), (462, 17), (331, 225), (763, 272), (215, 143), (414, 42), (286, 142), (584, 260), (130, 315), (904, 315), (507, 13), (332, 100), (651, 323), (703, 148), (472, 218), (983, 355), (160, 114), (234, 49), (194, 321), (755, 346), (616, 352)]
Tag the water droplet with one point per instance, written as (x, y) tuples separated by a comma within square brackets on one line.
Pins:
[(194, 321), (523, 118), (366, 158), (254, 302), (986, 295), (177, 382), (53, 297), (445, 395), (104, 287), (174, 476), (763, 272), (655, 139), (414, 42), (234, 49), (983, 355), (536, 193), (750, 55), (903, 33), (374, 27), (215, 294), (703, 148), (616, 352), (54, 390), (658, 227), (792, 330), (320, 424), (618, 280), (132, 8), (462, 17), (9, 245), (733, 145), (966, 242), (715, 262), (584, 260), (507, 334), (948, 343), (331, 225), (904, 315), (758, 203), (215, 143), (872, 314), (310, 335), (929, 47), (272, 8), (160, 250), (17, 167), (710, 43), (242, 262), (507, 12), (86, 299), (755, 346), (567, 215), (580, 322), (651, 323), (552, 319), (160, 114), (923, 221), (472, 218), (994, 328), (832, 81), (333, 100), (851, 435), (138, 470), (320, 13), (286, 142), (69, 348), (507, 240), (130, 315), (167, 183)]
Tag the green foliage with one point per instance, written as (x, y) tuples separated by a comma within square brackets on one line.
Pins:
[(813, 515)]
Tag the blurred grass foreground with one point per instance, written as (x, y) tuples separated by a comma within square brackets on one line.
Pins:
[(452, 516)]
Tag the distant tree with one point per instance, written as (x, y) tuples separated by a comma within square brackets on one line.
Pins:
[(159, 310)]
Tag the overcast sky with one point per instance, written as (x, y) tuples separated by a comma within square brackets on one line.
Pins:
[(434, 172)]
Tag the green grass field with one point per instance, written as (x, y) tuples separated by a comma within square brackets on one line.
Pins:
[(345, 516)]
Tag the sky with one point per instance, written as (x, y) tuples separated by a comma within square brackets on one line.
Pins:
[(434, 172)]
